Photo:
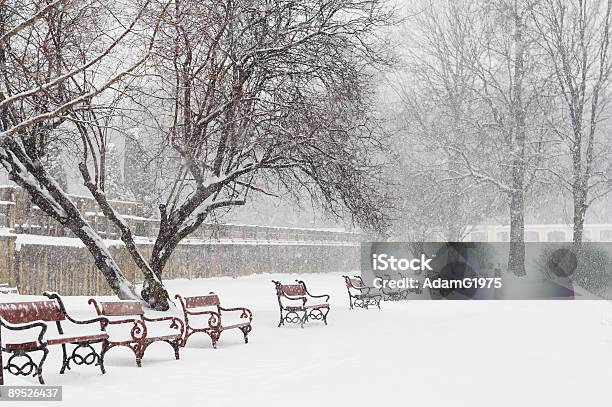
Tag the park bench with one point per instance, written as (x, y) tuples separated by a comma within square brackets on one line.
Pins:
[(136, 331), (296, 305), (394, 294), (195, 309), (360, 295), (30, 320)]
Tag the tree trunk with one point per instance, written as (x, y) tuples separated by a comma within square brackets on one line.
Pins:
[(155, 294), (516, 256), (153, 291), (49, 197), (580, 209), (103, 260)]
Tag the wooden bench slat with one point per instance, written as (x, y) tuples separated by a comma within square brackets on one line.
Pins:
[(21, 345), (356, 282), (202, 301), (26, 312), (240, 325), (76, 339), (121, 308), (294, 290), (164, 337), (324, 305)]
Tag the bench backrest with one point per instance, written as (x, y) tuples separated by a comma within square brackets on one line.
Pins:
[(202, 301), (356, 282), (294, 290), (120, 308), (26, 312)]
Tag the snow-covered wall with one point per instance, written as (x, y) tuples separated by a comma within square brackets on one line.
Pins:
[(67, 267)]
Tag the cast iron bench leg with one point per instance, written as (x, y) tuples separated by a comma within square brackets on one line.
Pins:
[(40, 366), (245, 331)]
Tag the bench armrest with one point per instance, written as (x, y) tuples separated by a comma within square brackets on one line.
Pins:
[(177, 323), (364, 287), (22, 327), (326, 296), (203, 312), (139, 330), (214, 321), (54, 296), (368, 290), (246, 313)]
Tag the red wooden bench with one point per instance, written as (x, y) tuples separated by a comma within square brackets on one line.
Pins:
[(132, 313), (209, 305), (360, 295), (294, 305), (33, 316)]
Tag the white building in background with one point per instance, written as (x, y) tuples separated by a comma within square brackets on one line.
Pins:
[(541, 233)]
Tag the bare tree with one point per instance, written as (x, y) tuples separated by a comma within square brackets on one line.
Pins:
[(248, 97), (54, 59), (575, 36), (264, 97), (434, 204), (475, 100)]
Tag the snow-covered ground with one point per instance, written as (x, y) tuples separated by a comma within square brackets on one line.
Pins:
[(421, 353)]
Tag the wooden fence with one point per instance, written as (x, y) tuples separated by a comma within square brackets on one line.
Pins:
[(219, 249), (71, 271)]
